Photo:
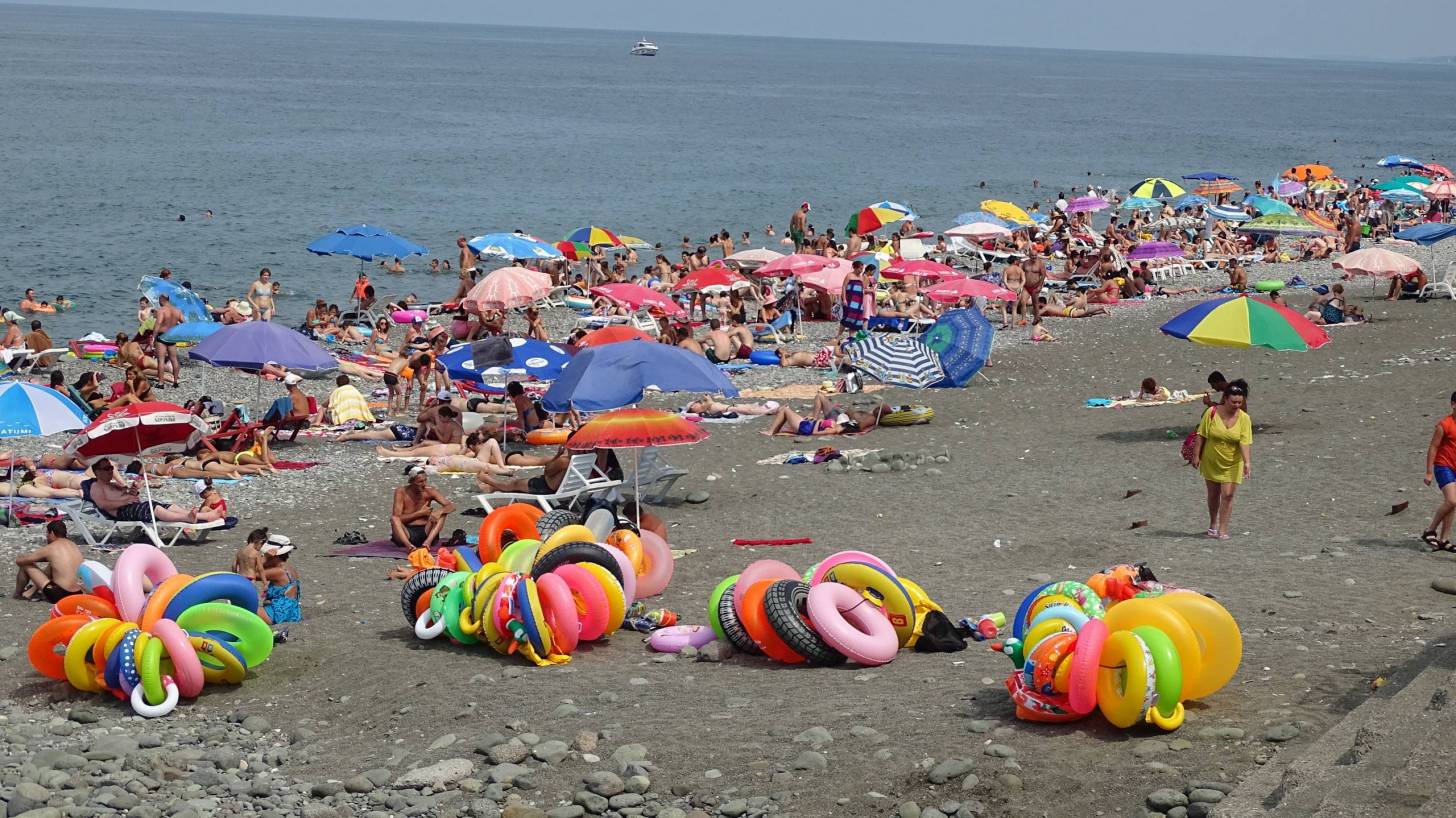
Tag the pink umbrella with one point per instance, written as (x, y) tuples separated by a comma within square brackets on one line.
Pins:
[(829, 278), (1087, 204), (955, 289), (1445, 189), (979, 231), (508, 288), (919, 268), (635, 296), (1378, 262), (713, 279), (792, 265)]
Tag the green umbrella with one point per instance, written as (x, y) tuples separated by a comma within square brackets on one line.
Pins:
[(1408, 182), (1280, 224)]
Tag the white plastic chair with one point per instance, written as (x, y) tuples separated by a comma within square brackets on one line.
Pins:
[(582, 479), (1447, 284)]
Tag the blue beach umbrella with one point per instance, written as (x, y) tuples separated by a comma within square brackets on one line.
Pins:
[(252, 344), (512, 246), (889, 205), (505, 356), (1428, 234), (32, 410), (190, 304), (1228, 213), (899, 360), (1141, 203), (1403, 196), (365, 243), (617, 375), (981, 216), (1269, 207), (962, 339), (1396, 160), (1188, 201), (1209, 176), (191, 332)]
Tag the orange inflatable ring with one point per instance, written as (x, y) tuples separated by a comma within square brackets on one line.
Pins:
[(547, 437), (161, 597), (755, 621), (630, 544), (89, 604), (518, 518), (55, 633)]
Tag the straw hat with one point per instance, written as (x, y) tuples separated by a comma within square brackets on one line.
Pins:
[(244, 308)]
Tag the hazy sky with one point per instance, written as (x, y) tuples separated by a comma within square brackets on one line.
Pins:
[(1266, 28)]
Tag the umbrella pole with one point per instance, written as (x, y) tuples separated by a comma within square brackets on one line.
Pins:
[(637, 484)]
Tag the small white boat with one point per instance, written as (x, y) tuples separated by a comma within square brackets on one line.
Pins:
[(644, 48)]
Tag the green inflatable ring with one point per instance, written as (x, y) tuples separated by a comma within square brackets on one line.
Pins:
[(1269, 286)]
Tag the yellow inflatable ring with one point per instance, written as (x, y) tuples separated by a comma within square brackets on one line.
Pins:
[(1154, 611), (616, 601), (563, 535), (81, 673), (1169, 723), (520, 555), (1124, 679), (881, 588), (231, 670), (1041, 631), (488, 631), (923, 605), (630, 544), (1220, 644)]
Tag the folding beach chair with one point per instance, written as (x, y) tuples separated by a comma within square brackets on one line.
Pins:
[(1446, 285), (86, 520), (582, 479), (653, 470)]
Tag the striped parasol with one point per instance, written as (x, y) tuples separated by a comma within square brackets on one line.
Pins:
[(594, 237), (1280, 224), (635, 429), (506, 289), (872, 218), (1007, 211), (1228, 213), (573, 250), (1319, 220), (1242, 322), (1218, 188), (1156, 188), (899, 360)]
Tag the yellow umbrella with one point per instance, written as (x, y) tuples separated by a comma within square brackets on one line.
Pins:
[(1007, 211), (634, 242)]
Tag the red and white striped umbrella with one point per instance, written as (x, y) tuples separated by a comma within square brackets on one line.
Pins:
[(796, 264), (138, 430), (508, 288)]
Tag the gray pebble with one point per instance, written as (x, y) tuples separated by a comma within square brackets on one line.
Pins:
[(511, 752), (565, 710), (931, 812), (506, 773), (566, 811), (1165, 799), (443, 741), (815, 737), (1293, 594), (257, 724), (948, 769), (999, 751), (325, 789), (696, 497), (1010, 781), (439, 775), (625, 800), (1281, 732), (734, 808), (811, 761), (27, 796), (1150, 747), (970, 782), (639, 784), (595, 804), (1205, 796), (909, 809), (551, 752), (981, 726), (1446, 585), (880, 468), (487, 741), (603, 782), (715, 651)]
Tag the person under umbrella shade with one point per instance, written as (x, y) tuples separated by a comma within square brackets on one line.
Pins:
[(900, 360), (962, 339), (507, 289), (512, 246), (635, 429)]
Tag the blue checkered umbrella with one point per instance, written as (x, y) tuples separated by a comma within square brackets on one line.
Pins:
[(899, 360), (962, 339)]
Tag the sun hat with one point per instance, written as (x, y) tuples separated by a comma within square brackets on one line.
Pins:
[(244, 308), (200, 487), (292, 378)]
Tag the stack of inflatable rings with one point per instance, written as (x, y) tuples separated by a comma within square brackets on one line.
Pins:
[(1135, 660), (850, 606), (152, 647), (519, 594)]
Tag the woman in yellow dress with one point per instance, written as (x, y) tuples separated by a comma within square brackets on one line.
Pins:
[(1222, 454)]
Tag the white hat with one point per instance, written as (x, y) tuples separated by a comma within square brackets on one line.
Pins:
[(200, 487), (243, 308), (444, 394), (277, 544), (292, 378)]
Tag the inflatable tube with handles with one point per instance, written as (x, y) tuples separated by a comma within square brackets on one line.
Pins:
[(52, 634), (590, 600), (517, 518), (851, 624), (883, 589)]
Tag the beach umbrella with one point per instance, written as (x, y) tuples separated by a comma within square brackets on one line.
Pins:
[(793, 264), (190, 332), (829, 278), (1087, 204), (594, 237), (1428, 233), (1440, 170), (1444, 189), (1155, 249), (634, 243), (1209, 176), (1396, 160), (919, 268), (872, 218), (32, 410), (979, 231), (1378, 262), (573, 250), (617, 375), (252, 344), (1188, 201), (187, 302), (365, 243), (712, 279), (635, 296), (1403, 196), (903, 208), (1289, 187), (1280, 224), (900, 360), (506, 289), (138, 430), (1331, 185), (1310, 171), (1407, 182), (1176, 223), (1219, 188), (954, 289), (982, 217), (612, 335), (962, 339), (1156, 188), (754, 258), (1141, 203), (1268, 206), (635, 429), (1228, 213), (499, 355), (1006, 211), (1319, 220), (512, 246), (1242, 322)]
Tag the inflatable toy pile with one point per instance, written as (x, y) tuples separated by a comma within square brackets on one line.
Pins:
[(149, 635), (539, 583), (1121, 643), (851, 606)]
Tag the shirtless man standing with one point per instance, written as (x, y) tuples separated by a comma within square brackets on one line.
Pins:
[(1012, 279), (1035, 271), (260, 295), (168, 317), (797, 222), (467, 270), (59, 578), (413, 522)]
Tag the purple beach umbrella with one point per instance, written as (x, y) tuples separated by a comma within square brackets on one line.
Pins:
[(1155, 249)]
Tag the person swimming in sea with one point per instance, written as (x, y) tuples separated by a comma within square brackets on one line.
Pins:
[(63, 303)]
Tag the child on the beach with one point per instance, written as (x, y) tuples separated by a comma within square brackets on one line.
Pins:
[(281, 588), (1150, 391), (249, 559)]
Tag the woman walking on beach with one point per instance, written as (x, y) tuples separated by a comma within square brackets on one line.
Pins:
[(1441, 469), (1221, 453)]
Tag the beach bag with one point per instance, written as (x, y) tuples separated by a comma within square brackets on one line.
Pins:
[(1190, 443)]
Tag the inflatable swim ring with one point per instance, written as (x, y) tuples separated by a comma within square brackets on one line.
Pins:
[(1270, 286), (908, 416), (408, 316), (547, 437), (851, 625), (577, 302), (764, 357), (675, 638)]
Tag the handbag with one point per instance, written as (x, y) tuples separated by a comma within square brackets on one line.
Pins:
[(1190, 443)]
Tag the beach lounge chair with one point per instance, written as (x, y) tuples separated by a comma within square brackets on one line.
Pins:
[(582, 479), (652, 471), (279, 425), (1446, 285), (776, 330), (86, 520)]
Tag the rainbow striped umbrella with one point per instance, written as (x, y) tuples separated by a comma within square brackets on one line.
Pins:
[(1320, 220), (1156, 188), (574, 250), (872, 218), (594, 237), (1242, 322)]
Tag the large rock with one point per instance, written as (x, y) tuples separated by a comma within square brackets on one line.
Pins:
[(439, 775), (948, 769)]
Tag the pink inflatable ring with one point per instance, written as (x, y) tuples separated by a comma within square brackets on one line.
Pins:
[(851, 624)]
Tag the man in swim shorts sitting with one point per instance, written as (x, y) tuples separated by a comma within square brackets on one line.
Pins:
[(722, 346), (118, 502), (413, 521), (59, 578)]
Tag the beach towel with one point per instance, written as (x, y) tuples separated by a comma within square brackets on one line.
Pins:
[(380, 549), (1122, 403), (808, 457), (296, 465), (720, 419), (347, 405), (797, 391)]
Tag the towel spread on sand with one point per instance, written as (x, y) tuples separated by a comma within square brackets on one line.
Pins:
[(797, 391), (783, 459), (1120, 403), (701, 419)]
